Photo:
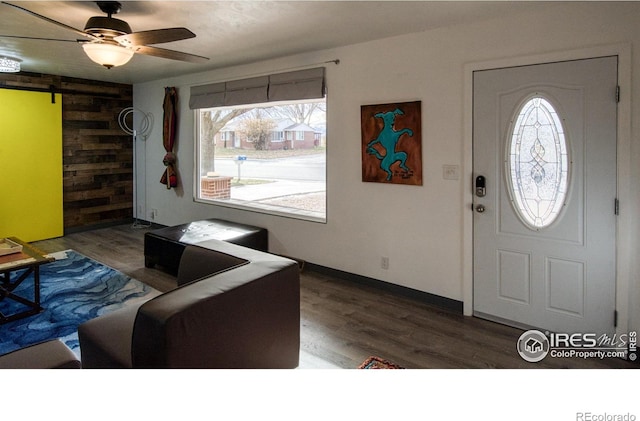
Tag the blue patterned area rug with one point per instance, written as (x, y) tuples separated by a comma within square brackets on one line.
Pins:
[(73, 289)]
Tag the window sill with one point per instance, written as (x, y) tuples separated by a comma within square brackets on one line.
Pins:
[(305, 215)]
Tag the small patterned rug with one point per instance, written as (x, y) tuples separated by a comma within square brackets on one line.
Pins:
[(378, 363), (73, 289)]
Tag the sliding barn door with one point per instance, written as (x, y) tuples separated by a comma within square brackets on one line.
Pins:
[(30, 165)]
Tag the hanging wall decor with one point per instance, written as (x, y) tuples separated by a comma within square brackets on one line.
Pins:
[(170, 176), (392, 143)]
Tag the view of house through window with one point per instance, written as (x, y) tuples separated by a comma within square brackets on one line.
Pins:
[(270, 158)]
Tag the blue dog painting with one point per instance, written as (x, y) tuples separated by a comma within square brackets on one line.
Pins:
[(391, 143)]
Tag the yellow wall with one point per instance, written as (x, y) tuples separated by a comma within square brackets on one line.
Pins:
[(30, 165)]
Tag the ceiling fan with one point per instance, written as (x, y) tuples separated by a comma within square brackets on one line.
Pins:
[(111, 42)]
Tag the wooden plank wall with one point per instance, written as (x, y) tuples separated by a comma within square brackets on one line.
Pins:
[(97, 154)]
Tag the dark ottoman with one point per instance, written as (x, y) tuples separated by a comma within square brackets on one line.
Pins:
[(164, 246)]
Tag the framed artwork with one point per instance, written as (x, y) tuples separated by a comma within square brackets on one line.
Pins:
[(392, 143)]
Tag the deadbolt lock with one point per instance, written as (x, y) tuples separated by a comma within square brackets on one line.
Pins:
[(481, 186)]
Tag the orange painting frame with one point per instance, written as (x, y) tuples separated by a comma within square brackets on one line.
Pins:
[(392, 143)]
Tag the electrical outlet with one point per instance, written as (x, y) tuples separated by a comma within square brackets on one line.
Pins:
[(384, 262), (154, 213)]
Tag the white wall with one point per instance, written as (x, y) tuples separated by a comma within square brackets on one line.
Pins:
[(420, 229)]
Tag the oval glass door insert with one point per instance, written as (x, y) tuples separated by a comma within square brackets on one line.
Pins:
[(537, 164)]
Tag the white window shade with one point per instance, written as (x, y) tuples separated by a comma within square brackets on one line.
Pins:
[(303, 84), (247, 91), (289, 86), (207, 96)]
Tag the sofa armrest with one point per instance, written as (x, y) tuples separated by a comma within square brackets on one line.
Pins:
[(248, 317)]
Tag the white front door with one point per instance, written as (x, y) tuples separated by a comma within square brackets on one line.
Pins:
[(544, 167)]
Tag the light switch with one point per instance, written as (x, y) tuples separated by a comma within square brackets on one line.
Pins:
[(451, 172)]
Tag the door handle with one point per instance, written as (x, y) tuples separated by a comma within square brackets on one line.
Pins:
[(480, 208)]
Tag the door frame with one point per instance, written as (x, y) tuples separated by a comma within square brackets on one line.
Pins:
[(624, 256)]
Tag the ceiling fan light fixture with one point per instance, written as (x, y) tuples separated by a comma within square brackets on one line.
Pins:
[(111, 41), (107, 26), (108, 55), (9, 65)]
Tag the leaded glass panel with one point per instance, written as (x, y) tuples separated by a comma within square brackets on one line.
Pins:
[(537, 164)]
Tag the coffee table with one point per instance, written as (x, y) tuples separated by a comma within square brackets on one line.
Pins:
[(30, 259)]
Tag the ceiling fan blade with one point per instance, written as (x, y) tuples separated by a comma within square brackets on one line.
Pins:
[(170, 54), (44, 39), (155, 36), (55, 22)]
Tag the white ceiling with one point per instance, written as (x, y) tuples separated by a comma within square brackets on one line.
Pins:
[(228, 32)]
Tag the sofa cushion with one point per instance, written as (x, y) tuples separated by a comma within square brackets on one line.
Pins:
[(198, 262)]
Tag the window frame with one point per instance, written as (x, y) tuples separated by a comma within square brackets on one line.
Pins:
[(249, 206), (277, 136)]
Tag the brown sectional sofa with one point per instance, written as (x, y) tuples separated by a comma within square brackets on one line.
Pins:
[(49, 354), (234, 307)]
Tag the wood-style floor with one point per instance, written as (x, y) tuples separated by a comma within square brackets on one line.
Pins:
[(343, 323)]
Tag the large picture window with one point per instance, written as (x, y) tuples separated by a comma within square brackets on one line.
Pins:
[(267, 156)]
